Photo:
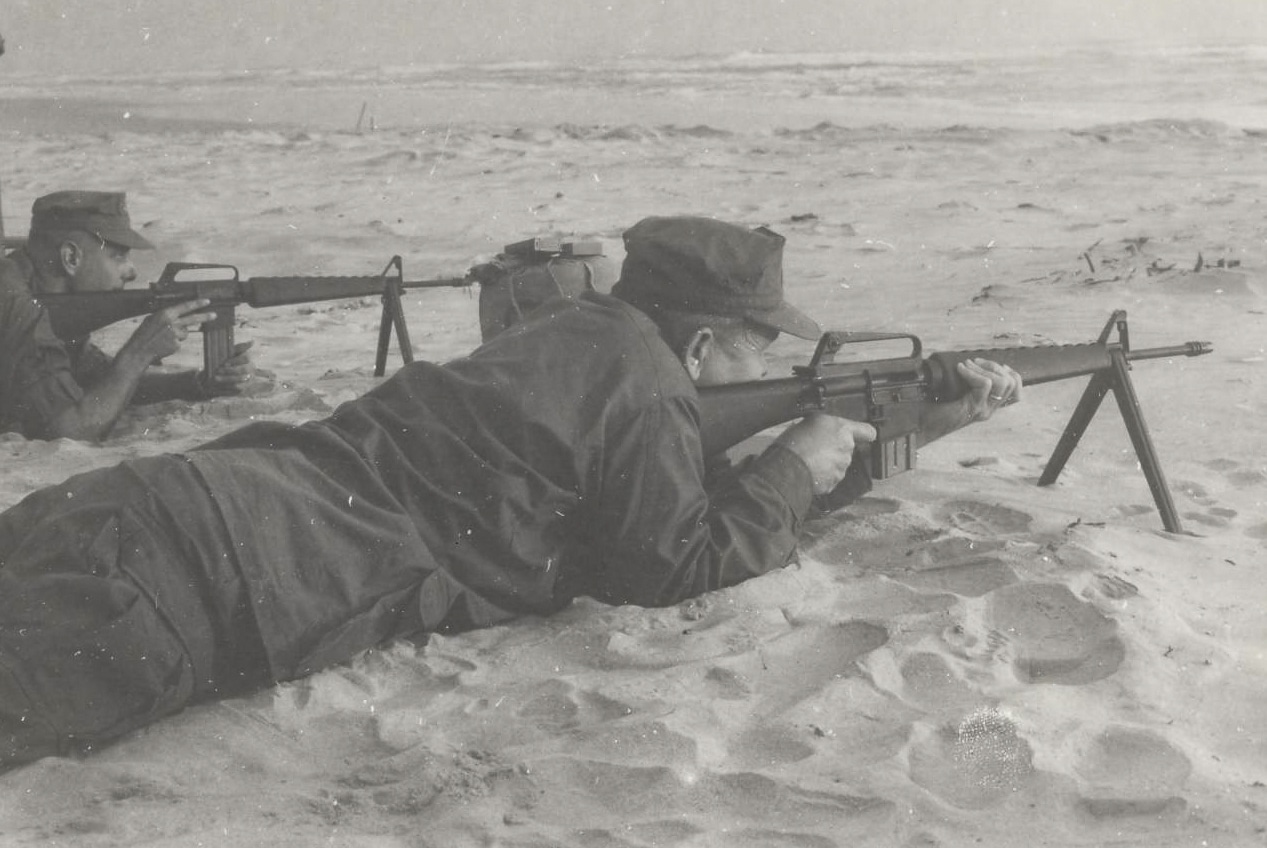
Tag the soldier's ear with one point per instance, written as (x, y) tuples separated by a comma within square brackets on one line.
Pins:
[(697, 349), (70, 256)]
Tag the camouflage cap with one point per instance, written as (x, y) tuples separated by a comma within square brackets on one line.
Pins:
[(707, 266), (102, 213)]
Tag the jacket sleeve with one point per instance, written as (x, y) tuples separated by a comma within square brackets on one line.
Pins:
[(36, 376), (665, 536)]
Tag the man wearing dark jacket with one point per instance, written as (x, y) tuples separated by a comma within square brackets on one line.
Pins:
[(53, 387), (561, 458)]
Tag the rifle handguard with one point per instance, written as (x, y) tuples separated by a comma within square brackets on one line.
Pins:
[(1044, 363)]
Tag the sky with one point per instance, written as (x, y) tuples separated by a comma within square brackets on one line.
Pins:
[(85, 37)]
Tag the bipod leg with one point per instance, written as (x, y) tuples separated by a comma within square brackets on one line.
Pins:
[(385, 322), (393, 318), (1133, 416), (1078, 422), (1088, 405)]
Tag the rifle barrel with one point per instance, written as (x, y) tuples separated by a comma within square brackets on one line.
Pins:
[(1185, 349), (283, 291), (78, 314)]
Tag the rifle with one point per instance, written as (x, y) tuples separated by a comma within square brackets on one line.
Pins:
[(887, 394), (76, 315)]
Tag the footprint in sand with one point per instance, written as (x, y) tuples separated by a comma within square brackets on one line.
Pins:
[(929, 681), (67, 803), (727, 684), (1132, 510), (1237, 475), (985, 519), (1044, 632), (1193, 491), (411, 782), (1213, 515), (797, 665), (616, 804), (1113, 587), (970, 578), (558, 705), (1131, 772), (964, 566), (1053, 636), (974, 640), (782, 674), (973, 762), (766, 745)]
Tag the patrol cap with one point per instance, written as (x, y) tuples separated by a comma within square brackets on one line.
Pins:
[(102, 213), (696, 264)]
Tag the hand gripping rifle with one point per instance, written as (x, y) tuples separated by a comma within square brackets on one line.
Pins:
[(78, 314), (887, 393)]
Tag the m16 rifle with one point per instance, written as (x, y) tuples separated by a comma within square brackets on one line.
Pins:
[(75, 315), (887, 393)]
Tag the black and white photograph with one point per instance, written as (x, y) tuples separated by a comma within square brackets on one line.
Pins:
[(633, 424)]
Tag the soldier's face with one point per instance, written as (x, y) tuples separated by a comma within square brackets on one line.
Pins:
[(736, 355), (101, 265)]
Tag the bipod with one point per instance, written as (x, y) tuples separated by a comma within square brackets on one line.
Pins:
[(1116, 378), (393, 317)]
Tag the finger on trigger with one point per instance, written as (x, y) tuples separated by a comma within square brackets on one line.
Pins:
[(861, 431), (195, 305)]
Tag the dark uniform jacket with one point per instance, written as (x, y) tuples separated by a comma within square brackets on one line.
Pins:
[(561, 458), (40, 374)]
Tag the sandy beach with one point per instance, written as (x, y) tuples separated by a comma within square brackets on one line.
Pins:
[(961, 658)]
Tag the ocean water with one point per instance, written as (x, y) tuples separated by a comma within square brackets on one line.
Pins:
[(742, 93)]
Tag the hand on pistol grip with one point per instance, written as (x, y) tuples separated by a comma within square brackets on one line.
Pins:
[(826, 444), (855, 484), (162, 332)]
